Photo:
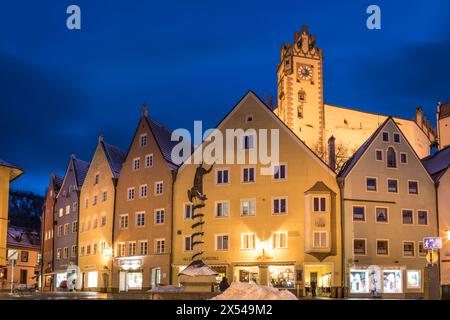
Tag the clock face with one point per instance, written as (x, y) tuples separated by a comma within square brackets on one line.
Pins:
[(305, 72)]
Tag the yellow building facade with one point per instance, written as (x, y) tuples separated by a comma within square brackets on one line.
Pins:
[(280, 229), (8, 173), (301, 106), (97, 200)]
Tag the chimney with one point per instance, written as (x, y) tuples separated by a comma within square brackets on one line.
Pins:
[(419, 116), (144, 110), (332, 153), (100, 138)]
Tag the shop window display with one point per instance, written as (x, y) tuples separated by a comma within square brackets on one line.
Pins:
[(359, 281), (135, 280), (392, 281), (282, 276), (413, 279)]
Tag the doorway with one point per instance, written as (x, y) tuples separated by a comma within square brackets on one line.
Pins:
[(156, 277)]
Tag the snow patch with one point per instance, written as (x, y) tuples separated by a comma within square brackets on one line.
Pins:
[(246, 291)]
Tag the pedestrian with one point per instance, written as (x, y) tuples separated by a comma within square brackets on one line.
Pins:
[(223, 285), (313, 288)]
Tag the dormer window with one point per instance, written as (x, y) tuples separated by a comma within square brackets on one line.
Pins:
[(249, 118), (391, 158), (143, 140), (301, 96)]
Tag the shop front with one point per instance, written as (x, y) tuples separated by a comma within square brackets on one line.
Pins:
[(130, 275), (274, 275), (384, 281), (318, 279)]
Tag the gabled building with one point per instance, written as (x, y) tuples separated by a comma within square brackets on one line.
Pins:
[(98, 195), (389, 206), (143, 212), (8, 173), (47, 232), (280, 228), (438, 165), (65, 237), (24, 244), (443, 124)]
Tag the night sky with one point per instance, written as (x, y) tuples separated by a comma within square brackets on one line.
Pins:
[(193, 60)]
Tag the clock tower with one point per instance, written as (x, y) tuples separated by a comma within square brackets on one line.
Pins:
[(300, 90)]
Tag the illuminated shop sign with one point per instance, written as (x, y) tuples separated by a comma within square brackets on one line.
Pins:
[(131, 264), (432, 243)]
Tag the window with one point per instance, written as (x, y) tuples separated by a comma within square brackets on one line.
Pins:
[(149, 160), (123, 221), (59, 231), (143, 139), (413, 279), (391, 158), (359, 213), (104, 196), (66, 253), (397, 137), (403, 157), (130, 194), (319, 204), (381, 215), (320, 239), (279, 172), (408, 249), (143, 191), (385, 136), (140, 219), (413, 187), (121, 249), (248, 241), (94, 202), (73, 251), (222, 242), (23, 256), (86, 203), (97, 178), (422, 251), (75, 227), (392, 281), (382, 247), (160, 216), (143, 247), (222, 176), (407, 217), (392, 186), (279, 240), (371, 184), (248, 175), (359, 247), (82, 251), (136, 164), (279, 206), (422, 217), (58, 254), (187, 243), (94, 249), (67, 209), (88, 249), (131, 248), (160, 246), (61, 212), (75, 207), (248, 118), (248, 207), (159, 188), (103, 221), (379, 155), (248, 142), (66, 228), (222, 209), (187, 214)]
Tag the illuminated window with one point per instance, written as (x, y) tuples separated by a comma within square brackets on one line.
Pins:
[(132, 248), (392, 281), (320, 239), (279, 240), (222, 242), (413, 279), (248, 241), (58, 254), (248, 208), (67, 209)]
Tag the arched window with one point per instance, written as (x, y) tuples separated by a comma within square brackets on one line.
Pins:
[(391, 158)]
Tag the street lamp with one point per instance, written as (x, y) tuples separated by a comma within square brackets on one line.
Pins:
[(107, 252)]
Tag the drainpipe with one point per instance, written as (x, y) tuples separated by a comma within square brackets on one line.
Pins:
[(115, 180), (341, 183), (174, 176)]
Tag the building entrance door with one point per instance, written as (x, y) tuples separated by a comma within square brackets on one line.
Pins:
[(156, 277), (123, 281)]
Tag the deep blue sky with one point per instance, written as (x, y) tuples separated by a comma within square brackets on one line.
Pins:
[(192, 60)]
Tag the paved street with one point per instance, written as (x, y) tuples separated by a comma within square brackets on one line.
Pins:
[(55, 296)]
